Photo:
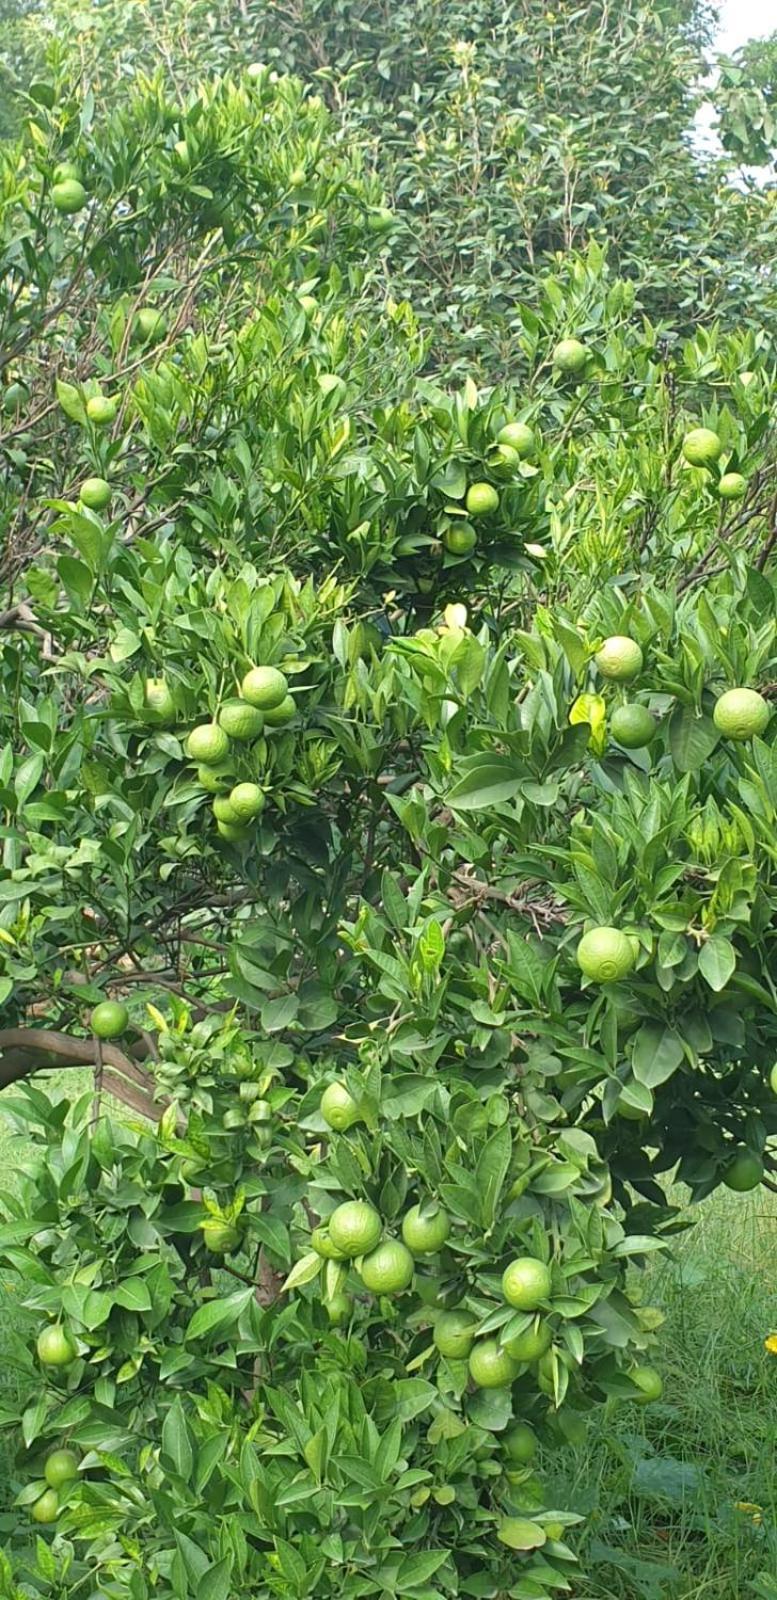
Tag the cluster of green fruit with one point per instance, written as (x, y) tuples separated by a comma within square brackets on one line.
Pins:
[(264, 704), (68, 194), (60, 1469), (515, 442), (386, 1266), (739, 714), (702, 447)]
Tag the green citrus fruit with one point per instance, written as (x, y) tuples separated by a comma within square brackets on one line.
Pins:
[(264, 687), (207, 744), (46, 1508), (526, 1282), (649, 1384), (233, 832), (460, 539), (570, 355), (380, 219), (701, 447), (247, 801), (773, 1079), (531, 1344), (520, 1444), (632, 726), (55, 1347), (109, 1019), (490, 1367), (279, 716), (732, 486), (338, 1108), (101, 410), (425, 1234), (454, 1334), (519, 437), (620, 658), (504, 460), (148, 326), (68, 196), (95, 493), (482, 499), (741, 714), (14, 398), (339, 1309), (221, 1238), (388, 1269), (355, 1228), (61, 1467), (240, 721), (222, 810), (66, 171), (323, 1246), (605, 955), (744, 1172), (158, 700), (630, 1112)]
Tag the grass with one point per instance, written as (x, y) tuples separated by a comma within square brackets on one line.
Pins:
[(660, 1488)]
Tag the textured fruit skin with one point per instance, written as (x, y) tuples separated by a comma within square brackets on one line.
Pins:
[(481, 500), (149, 325), (158, 700), (526, 1282), (240, 721), (233, 832), (65, 170), (570, 355), (388, 1269), (732, 486), (702, 447), (55, 1347), (323, 1246), (425, 1235), (490, 1367), (279, 716), (532, 1344), (632, 726), (339, 1309), (519, 437), (649, 1383), (745, 1172), (207, 744), (222, 810), (109, 1019), (338, 1108), (68, 196), (221, 1238), (454, 1334), (101, 410), (520, 1444), (619, 659), (264, 687), (460, 540), (605, 955), (95, 493), (247, 801), (46, 1508), (741, 714), (773, 1079), (355, 1228), (61, 1467), (504, 460)]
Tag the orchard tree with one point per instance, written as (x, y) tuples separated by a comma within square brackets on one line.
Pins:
[(389, 793)]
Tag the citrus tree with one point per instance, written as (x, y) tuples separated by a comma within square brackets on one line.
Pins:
[(389, 791)]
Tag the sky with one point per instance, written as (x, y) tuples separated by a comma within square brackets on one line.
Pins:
[(741, 20)]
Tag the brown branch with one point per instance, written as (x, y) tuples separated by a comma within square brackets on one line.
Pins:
[(25, 1051)]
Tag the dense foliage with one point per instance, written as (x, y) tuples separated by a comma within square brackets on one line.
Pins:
[(223, 451)]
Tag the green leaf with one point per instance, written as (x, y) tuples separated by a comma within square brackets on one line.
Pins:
[(303, 1271), (70, 400), (279, 1013), (657, 1052), (717, 961), (215, 1584), (491, 1171), (218, 1314), (488, 781), (176, 1445), (692, 738)]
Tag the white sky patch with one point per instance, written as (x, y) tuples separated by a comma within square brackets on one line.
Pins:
[(740, 20)]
